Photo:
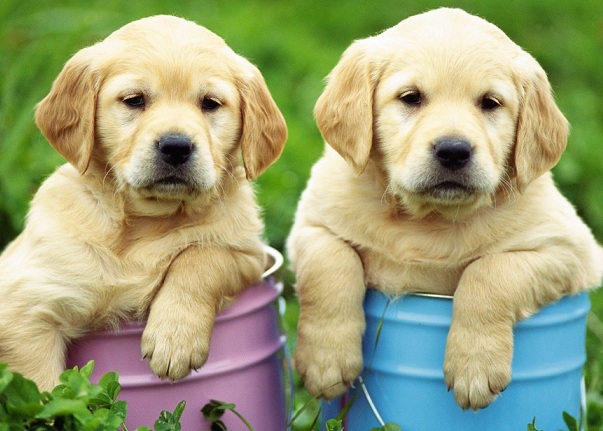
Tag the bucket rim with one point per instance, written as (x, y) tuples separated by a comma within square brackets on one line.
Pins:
[(433, 295), (567, 308)]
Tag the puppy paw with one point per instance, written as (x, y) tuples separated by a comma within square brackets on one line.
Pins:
[(328, 360), (174, 348), (477, 364)]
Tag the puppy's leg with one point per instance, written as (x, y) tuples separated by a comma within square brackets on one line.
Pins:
[(33, 349), (330, 284), (493, 293), (177, 335)]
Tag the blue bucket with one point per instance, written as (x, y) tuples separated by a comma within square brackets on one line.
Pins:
[(405, 382)]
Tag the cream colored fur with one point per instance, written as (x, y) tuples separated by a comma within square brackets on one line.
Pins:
[(111, 235), (378, 210)]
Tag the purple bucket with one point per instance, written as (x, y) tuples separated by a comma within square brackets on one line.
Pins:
[(248, 365)]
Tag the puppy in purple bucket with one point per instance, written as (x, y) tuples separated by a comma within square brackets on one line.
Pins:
[(153, 217)]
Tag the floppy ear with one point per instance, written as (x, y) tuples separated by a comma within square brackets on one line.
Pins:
[(542, 130), (66, 115), (344, 111), (264, 129)]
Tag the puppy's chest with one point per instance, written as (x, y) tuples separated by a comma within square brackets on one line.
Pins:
[(131, 256), (395, 276), (415, 260), (137, 271), (137, 251)]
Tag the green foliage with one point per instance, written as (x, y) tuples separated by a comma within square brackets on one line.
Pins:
[(79, 405), (74, 405), (532, 426), (334, 425), (570, 421), (213, 412), (388, 427), (169, 421)]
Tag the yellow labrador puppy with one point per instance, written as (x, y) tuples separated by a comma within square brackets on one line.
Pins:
[(441, 135), (154, 215)]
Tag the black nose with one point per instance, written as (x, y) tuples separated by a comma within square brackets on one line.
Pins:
[(175, 149), (452, 153)]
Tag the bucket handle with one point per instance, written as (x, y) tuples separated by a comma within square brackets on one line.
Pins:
[(276, 257), (370, 402)]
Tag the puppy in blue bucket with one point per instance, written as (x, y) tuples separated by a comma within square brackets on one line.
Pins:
[(441, 133)]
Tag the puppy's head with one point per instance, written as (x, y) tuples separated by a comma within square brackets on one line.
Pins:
[(162, 106), (448, 107)]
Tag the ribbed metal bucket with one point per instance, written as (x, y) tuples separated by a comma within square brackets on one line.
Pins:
[(248, 365), (405, 382)]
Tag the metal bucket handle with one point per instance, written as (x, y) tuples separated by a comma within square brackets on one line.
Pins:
[(370, 402), (277, 261)]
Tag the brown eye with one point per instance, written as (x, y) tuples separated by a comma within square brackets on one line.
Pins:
[(412, 98), (210, 104), (135, 101), (489, 103)]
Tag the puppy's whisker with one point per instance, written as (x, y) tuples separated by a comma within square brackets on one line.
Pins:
[(507, 188), (107, 172), (231, 170), (389, 191)]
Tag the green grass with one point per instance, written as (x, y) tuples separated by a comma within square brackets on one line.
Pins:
[(295, 44)]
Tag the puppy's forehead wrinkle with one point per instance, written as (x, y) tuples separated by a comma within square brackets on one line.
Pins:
[(143, 62), (156, 29), (414, 64), (443, 23), (448, 43), (166, 48)]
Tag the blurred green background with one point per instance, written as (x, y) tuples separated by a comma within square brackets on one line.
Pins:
[(295, 44)]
